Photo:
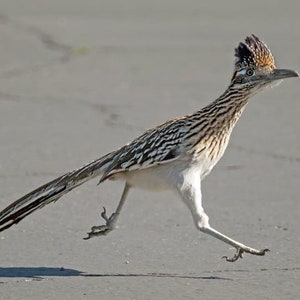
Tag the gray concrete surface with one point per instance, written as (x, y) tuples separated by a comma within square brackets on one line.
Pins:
[(80, 78)]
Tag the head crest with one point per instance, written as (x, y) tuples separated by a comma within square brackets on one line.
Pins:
[(253, 52)]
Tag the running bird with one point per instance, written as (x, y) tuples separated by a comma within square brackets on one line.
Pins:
[(176, 155)]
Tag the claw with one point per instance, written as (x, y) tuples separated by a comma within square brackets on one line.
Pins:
[(102, 229), (262, 252), (98, 230), (238, 254), (88, 237), (103, 214)]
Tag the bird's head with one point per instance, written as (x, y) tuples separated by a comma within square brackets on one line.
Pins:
[(255, 66)]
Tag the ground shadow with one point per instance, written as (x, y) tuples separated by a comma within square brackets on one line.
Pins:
[(161, 275), (41, 272), (37, 272)]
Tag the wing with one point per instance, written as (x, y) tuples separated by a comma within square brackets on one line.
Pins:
[(156, 146)]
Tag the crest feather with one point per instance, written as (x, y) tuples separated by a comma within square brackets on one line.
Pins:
[(253, 52)]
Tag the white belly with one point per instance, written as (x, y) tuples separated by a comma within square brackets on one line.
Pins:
[(165, 176)]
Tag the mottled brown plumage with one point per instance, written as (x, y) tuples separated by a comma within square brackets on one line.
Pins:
[(176, 155)]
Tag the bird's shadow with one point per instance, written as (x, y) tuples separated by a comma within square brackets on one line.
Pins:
[(39, 273)]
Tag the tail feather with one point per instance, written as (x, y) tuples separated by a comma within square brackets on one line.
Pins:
[(51, 191)]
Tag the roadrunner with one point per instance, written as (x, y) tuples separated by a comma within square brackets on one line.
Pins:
[(176, 155)]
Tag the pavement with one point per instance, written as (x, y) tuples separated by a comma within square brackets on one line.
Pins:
[(81, 78)]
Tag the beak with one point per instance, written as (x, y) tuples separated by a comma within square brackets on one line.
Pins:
[(283, 73)]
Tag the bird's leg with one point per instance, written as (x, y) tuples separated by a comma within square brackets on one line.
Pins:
[(189, 188), (110, 221), (201, 222), (240, 248)]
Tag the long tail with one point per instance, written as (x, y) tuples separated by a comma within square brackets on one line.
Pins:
[(52, 191)]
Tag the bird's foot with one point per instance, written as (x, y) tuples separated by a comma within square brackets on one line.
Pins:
[(240, 251), (102, 229)]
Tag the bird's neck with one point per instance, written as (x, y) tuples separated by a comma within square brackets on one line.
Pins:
[(211, 126), (225, 111)]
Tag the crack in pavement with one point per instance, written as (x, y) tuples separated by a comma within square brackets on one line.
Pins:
[(9, 97), (46, 39), (30, 174), (276, 156)]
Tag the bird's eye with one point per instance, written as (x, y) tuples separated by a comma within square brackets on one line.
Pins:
[(250, 72)]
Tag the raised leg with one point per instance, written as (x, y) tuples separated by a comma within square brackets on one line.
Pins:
[(112, 220), (240, 248), (189, 189)]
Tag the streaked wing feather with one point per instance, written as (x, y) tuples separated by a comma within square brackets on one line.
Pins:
[(156, 146)]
